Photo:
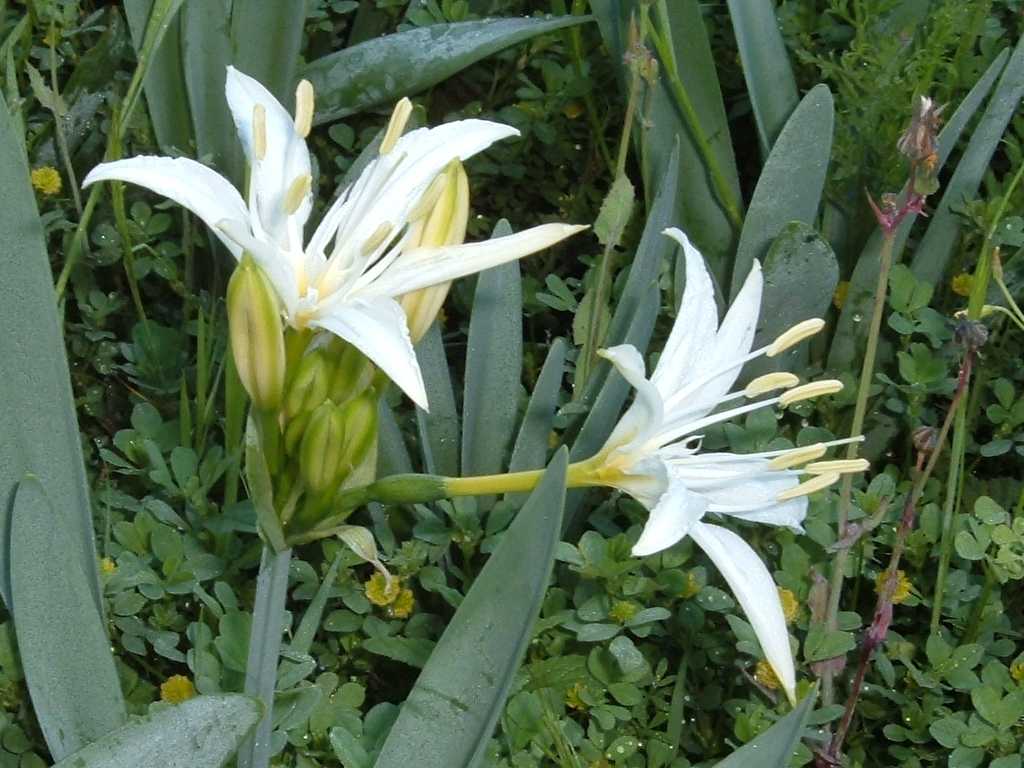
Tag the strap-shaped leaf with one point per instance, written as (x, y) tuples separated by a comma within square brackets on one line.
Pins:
[(531, 446), (200, 733), (63, 642), (773, 748), (770, 81), (791, 182), (266, 36), (37, 422), (494, 362), (392, 455), (451, 712), (385, 69), (850, 334), (439, 429)]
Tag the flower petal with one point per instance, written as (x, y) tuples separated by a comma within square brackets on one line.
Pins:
[(424, 267), (693, 334), (674, 516), (203, 191), (285, 158), (757, 594), (644, 415), (377, 328)]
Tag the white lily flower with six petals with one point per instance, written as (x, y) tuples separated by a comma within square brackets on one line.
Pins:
[(359, 260)]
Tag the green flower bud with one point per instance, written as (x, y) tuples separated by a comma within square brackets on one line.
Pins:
[(294, 431), (309, 387), (352, 375), (360, 431), (321, 452), (257, 334)]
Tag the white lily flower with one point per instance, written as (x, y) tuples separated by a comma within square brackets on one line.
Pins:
[(654, 452), (359, 260)]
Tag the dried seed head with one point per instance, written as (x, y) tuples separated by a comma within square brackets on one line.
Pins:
[(918, 142)]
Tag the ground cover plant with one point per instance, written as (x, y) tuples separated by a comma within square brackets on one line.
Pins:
[(511, 383)]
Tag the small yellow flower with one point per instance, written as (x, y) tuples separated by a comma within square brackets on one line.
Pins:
[(766, 677), (961, 284), (380, 590), (622, 611), (176, 689), (692, 586), (107, 566), (903, 586), (46, 180), (402, 607), (573, 110), (1017, 671), (573, 698), (839, 297), (790, 605)]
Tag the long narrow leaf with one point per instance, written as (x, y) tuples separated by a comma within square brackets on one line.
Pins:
[(383, 70), (451, 712), (266, 36), (773, 748), (37, 422), (531, 445), (439, 429), (65, 651), (770, 81), (201, 733)]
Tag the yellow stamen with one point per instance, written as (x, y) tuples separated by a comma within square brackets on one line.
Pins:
[(808, 487), (304, 108), (842, 466), (771, 381), (259, 131), (795, 335), (400, 116), (380, 234), (296, 193), (798, 456), (431, 196), (813, 389)]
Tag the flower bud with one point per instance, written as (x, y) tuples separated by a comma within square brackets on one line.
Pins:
[(257, 335), (360, 424), (321, 451), (352, 374), (443, 224), (309, 387)]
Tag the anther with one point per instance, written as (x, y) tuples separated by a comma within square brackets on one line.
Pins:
[(808, 487), (807, 391), (795, 335), (303, 108), (840, 466), (769, 382), (259, 131), (399, 117), (380, 234), (296, 193), (798, 456)]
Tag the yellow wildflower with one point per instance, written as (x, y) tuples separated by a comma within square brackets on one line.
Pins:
[(574, 699), (766, 677), (622, 611), (790, 605), (903, 586), (692, 586), (380, 590), (176, 689), (1017, 670), (839, 297), (573, 110), (402, 606), (46, 180), (107, 566), (961, 284)]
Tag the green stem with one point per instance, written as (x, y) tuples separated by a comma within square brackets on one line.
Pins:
[(596, 129), (867, 374), (725, 194), (264, 650), (978, 611)]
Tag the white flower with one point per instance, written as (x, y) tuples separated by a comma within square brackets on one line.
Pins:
[(654, 452), (346, 279)]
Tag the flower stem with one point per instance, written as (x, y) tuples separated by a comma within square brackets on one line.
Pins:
[(867, 374), (264, 650)]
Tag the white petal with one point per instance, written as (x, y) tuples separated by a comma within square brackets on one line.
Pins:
[(736, 333), (644, 416), (286, 157), (673, 517), (757, 594), (424, 267), (203, 191), (378, 329), (271, 259), (693, 334)]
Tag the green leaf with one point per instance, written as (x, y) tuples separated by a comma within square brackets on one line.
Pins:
[(790, 186), (943, 234), (850, 334), (774, 747), (616, 210), (531, 446), (770, 82), (413, 651), (824, 644), (38, 421), (266, 36), (385, 69), (493, 370), (203, 732), (261, 488), (439, 429), (302, 640), (392, 455), (450, 714), (65, 651)]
